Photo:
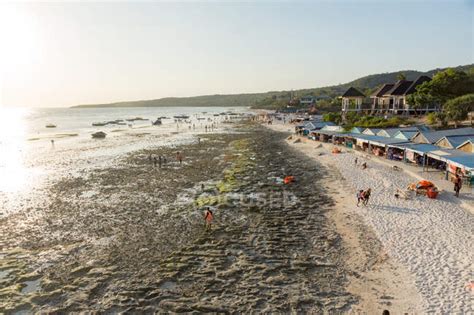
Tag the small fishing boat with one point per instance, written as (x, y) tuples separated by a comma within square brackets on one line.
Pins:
[(50, 126), (99, 124), (181, 117), (157, 122), (136, 118), (99, 135)]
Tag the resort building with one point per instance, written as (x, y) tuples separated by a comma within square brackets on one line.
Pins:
[(380, 102), (391, 98), (353, 100)]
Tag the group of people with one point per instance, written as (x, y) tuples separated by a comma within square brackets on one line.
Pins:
[(363, 165), (161, 160), (363, 196)]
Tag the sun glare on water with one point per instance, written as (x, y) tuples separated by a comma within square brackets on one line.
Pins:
[(13, 173)]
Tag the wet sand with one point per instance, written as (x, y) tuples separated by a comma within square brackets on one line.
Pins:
[(131, 237)]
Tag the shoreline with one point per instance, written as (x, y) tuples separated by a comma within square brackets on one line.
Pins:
[(425, 244), (379, 281)]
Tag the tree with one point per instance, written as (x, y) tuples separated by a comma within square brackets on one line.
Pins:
[(457, 109), (401, 76), (431, 118), (332, 117), (445, 85)]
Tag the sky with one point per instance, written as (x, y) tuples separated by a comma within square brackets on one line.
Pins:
[(69, 53)]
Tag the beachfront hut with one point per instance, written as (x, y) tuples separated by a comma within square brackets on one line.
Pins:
[(326, 133), (316, 125), (333, 128), (467, 146), (452, 142), (433, 136), (356, 130), (391, 132), (375, 144), (456, 161), (371, 131), (412, 152), (405, 135)]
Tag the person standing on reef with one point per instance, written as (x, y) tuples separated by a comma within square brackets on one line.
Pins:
[(160, 161), (179, 157), (155, 161), (457, 185), (366, 196), (208, 217), (360, 197)]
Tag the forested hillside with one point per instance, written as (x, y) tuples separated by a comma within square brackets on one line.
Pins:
[(276, 99)]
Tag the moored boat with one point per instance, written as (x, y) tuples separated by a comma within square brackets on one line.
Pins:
[(181, 116), (99, 135)]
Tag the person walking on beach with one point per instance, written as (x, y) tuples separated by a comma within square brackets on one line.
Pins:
[(457, 185), (360, 197), (366, 196), (208, 217), (355, 161), (179, 157)]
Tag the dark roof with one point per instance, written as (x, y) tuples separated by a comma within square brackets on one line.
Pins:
[(382, 90), (353, 92), (399, 88), (420, 80)]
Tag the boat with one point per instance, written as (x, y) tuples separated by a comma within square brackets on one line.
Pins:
[(136, 118), (157, 122), (99, 124), (50, 126), (181, 117), (99, 135)]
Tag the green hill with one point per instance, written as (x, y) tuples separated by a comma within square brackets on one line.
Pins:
[(274, 99)]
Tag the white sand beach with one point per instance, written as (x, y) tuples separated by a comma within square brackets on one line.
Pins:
[(432, 239)]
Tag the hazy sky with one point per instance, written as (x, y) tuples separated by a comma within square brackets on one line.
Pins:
[(62, 54)]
